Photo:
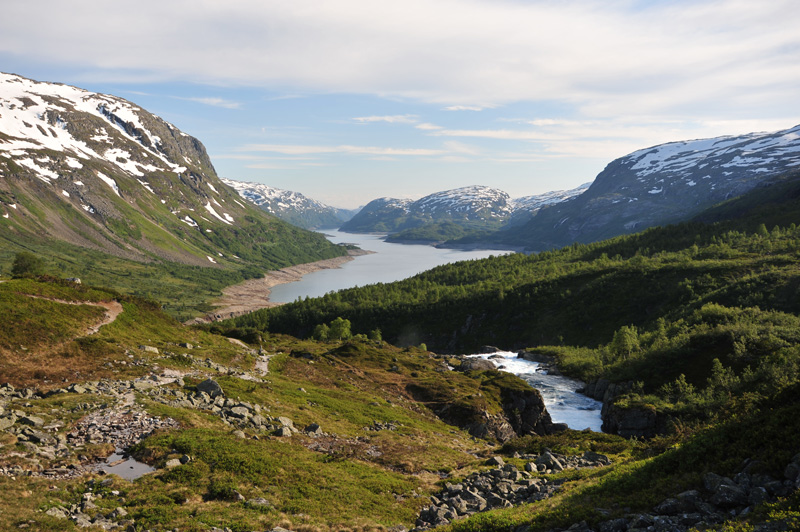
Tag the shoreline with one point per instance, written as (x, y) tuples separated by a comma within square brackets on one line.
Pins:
[(253, 294)]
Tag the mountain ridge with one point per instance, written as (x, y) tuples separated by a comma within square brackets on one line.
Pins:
[(659, 185), (102, 173), (460, 210), (290, 206)]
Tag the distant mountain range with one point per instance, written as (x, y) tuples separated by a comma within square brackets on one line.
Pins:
[(99, 172), (292, 207), (660, 185), (450, 214)]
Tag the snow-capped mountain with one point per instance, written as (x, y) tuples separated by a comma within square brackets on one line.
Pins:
[(660, 185), (290, 206), (475, 207), (100, 172), (468, 205), (527, 206)]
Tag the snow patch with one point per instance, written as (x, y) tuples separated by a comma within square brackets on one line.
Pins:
[(65, 193), (213, 213), (110, 182), (188, 221)]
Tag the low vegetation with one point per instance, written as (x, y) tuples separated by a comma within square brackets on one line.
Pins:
[(697, 323)]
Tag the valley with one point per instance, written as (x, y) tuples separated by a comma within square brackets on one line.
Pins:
[(637, 370)]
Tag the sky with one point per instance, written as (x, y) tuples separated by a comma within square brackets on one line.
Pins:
[(346, 101)]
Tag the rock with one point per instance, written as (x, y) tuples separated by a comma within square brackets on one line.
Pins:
[(283, 432), (313, 429), (174, 462), (259, 502), (286, 422), (240, 412), (550, 462), (729, 496), (614, 525), (41, 438), (477, 364), (210, 387), (636, 422), (33, 421), (495, 461), (58, 512), (7, 422), (792, 471), (142, 386), (596, 458), (76, 388), (149, 349)]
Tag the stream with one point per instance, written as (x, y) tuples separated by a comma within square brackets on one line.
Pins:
[(560, 393)]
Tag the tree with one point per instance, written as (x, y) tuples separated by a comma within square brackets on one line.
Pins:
[(321, 332), (625, 342), (375, 335), (340, 329), (26, 264)]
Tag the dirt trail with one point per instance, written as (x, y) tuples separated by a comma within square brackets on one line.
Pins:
[(113, 309)]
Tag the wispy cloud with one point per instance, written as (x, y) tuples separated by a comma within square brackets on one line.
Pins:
[(299, 149), (215, 102), (395, 119), (426, 126), (463, 108)]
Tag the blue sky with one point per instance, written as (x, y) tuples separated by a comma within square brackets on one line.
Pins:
[(349, 100)]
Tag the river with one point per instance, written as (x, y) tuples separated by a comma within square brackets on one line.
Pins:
[(560, 395), (393, 262), (387, 263)]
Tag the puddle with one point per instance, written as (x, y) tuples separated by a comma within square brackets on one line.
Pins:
[(125, 466)]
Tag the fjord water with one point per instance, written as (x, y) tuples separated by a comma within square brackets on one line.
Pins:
[(560, 395), (387, 263)]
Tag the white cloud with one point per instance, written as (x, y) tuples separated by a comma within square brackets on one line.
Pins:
[(396, 119), (428, 126), (299, 149), (463, 108), (607, 58), (216, 102)]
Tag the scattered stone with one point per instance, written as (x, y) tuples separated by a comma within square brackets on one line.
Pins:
[(149, 349)]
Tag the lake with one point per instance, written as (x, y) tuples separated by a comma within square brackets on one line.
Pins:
[(387, 263)]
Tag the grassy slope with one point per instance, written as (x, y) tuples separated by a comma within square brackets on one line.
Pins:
[(347, 387)]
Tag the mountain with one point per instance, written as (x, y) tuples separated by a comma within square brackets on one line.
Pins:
[(98, 172), (526, 207), (439, 216), (291, 207), (660, 185)]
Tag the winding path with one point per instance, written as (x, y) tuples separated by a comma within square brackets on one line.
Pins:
[(112, 308)]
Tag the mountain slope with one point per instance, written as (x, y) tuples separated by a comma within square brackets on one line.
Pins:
[(660, 185), (98, 172), (290, 206)]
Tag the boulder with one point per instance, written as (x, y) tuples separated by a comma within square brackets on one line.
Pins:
[(495, 461), (550, 462), (477, 364), (210, 387)]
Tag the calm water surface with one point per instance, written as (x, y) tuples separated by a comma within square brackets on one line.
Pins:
[(388, 263)]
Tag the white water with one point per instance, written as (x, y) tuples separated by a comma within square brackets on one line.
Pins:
[(560, 395), (387, 263)]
